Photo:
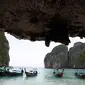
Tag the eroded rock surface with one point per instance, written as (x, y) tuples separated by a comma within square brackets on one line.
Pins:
[(60, 57), (49, 20), (4, 50), (74, 55), (57, 58)]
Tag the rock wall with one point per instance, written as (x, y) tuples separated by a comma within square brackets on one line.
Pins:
[(57, 58), (62, 58), (4, 50), (48, 20), (74, 54)]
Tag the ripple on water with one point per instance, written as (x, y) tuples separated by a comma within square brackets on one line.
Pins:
[(45, 77)]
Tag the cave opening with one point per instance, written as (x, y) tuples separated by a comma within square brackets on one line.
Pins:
[(27, 53)]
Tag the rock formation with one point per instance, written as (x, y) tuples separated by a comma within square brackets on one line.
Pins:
[(74, 54), (49, 20), (4, 50), (58, 57), (62, 58)]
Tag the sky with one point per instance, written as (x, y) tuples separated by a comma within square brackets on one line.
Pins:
[(31, 54)]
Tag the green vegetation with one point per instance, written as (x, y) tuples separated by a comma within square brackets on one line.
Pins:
[(82, 57), (4, 50)]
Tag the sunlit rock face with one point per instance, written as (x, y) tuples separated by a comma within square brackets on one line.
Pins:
[(74, 54), (57, 58), (4, 50), (49, 20)]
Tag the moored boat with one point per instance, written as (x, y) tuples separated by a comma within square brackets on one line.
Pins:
[(15, 72), (80, 74), (2, 71), (10, 71), (58, 74), (31, 72)]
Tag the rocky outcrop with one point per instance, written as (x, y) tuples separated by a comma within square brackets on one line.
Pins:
[(62, 58), (48, 20), (4, 50), (58, 57), (74, 54)]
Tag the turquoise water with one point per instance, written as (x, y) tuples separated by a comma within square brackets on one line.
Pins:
[(44, 77)]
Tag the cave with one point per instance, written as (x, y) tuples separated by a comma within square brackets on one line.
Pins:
[(43, 20)]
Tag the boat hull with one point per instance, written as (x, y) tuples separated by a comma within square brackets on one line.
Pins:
[(80, 75), (31, 74), (11, 72), (59, 75)]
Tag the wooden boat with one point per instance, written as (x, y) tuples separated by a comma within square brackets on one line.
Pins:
[(58, 74), (31, 73), (2, 71), (80, 74), (14, 72), (10, 71)]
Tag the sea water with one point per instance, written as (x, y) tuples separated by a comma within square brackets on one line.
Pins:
[(44, 77)]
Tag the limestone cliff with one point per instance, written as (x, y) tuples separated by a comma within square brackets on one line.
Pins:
[(61, 57), (57, 57), (74, 54), (4, 50)]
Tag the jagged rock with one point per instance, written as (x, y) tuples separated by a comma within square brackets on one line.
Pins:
[(74, 54), (4, 50), (49, 20), (57, 57), (66, 59), (82, 59)]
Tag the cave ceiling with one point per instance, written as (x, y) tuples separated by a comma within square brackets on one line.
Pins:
[(43, 20)]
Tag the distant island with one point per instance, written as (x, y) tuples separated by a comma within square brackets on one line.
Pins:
[(61, 57)]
